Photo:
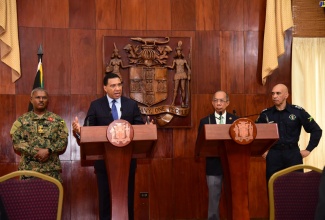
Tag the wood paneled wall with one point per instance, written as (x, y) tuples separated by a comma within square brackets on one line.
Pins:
[(227, 38)]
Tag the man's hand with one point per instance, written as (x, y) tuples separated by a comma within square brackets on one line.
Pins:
[(42, 154), (304, 153), (76, 125)]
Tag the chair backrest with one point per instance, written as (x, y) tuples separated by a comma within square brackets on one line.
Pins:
[(36, 198), (294, 195)]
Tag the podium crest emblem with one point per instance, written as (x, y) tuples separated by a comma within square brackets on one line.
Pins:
[(120, 133), (243, 131)]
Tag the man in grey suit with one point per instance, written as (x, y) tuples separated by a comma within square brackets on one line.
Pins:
[(100, 113), (220, 102)]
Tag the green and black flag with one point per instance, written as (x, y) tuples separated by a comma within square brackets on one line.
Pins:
[(39, 81)]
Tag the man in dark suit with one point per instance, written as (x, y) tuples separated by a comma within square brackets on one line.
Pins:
[(100, 113), (220, 101)]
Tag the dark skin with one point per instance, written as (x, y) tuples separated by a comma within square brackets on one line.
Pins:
[(40, 102)]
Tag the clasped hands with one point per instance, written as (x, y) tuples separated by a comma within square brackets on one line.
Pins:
[(42, 154)]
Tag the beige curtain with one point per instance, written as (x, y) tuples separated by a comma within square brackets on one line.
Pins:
[(9, 45), (278, 19), (308, 90)]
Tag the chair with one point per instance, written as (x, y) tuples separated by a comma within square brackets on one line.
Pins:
[(35, 198), (294, 195)]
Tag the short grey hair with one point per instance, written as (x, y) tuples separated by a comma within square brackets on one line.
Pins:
[(38, 89)]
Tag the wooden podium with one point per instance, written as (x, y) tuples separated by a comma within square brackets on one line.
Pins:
[(95, 145), (215, 140)]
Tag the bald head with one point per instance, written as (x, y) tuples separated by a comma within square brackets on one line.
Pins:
[(280, 95)]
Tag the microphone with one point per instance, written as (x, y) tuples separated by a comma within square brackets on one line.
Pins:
[(234, 112), (267, 118)]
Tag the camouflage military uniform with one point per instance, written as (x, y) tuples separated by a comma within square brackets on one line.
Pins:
[(48, 131)]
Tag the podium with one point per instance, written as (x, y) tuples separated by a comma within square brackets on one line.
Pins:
[(94, 145), (215, 140)]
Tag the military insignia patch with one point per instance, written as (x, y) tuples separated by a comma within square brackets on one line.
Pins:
[(292, 117)]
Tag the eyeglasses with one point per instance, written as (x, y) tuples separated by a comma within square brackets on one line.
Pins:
[(219, 100), (113, 86)]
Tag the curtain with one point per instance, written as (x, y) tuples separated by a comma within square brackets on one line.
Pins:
[(9, 44), (308, 90), (278, 19)]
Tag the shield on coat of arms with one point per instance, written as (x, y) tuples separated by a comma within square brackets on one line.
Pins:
[(148, 85)]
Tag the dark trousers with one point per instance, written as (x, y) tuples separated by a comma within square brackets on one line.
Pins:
[(320, 210), (104, 198), (279, 159)]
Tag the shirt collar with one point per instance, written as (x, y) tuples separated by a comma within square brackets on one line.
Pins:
[(110, 99)]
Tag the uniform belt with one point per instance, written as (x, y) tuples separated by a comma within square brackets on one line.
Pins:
[(285, 146)]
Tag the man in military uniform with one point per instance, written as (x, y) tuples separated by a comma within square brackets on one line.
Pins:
[(290, 119), (39, 136)]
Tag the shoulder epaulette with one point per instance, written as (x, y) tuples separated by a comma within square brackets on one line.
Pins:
[(298, 107), (266, 109)]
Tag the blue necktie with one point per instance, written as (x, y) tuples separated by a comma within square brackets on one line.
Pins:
[(114, 110)]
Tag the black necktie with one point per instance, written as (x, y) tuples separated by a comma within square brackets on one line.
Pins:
[(114, 110)]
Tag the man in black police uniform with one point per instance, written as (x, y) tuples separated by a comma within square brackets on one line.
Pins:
[(290, 119)]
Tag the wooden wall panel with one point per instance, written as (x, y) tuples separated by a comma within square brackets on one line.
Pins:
[(26, 13), (142, 184), (232, 61), (207, 15), (134, 14), (206, 66), (29, 44), (183, 14), (257, 187), (253, 63), (6, 85), (231, 15), (57, 11), (6, 150), (79, 108), (158, 15), (60, 104), (83, 61), (186, 171), (84, 196), (237, 104), (161, 197), (254, 15), (56, 60), (164, 145), (7, 168), (82, 15), (67, 189), (108, 14)]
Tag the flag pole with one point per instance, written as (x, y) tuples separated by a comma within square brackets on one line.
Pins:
[(40, 53)]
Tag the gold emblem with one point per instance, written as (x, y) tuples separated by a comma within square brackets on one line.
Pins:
[(40, 129)]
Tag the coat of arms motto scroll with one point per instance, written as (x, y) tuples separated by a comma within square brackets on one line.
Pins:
[(155, 73)]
